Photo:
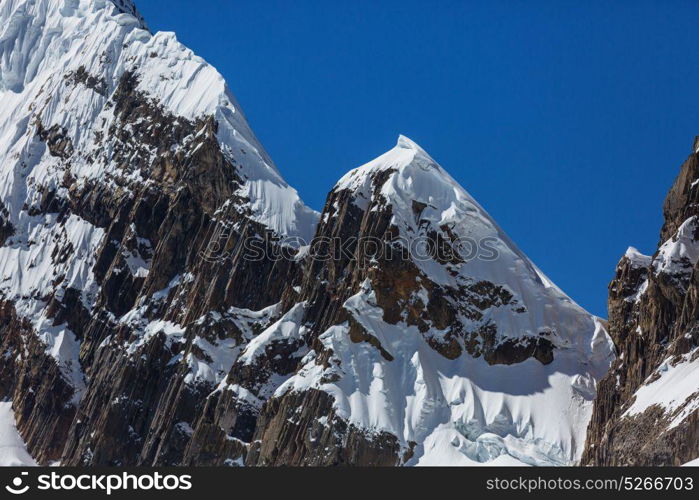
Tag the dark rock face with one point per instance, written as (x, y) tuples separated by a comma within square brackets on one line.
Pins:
[(31, 379), (6, 229), (81, 76), (56, 140), (227, 424), (309, 441), (653, 320)]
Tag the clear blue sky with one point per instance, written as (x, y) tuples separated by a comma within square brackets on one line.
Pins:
[(567, 120)]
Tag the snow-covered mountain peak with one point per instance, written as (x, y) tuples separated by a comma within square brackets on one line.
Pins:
[(63, 61), (424, 202), (423, 197), (405, 142), (461, 310), (404, 157), (420, 193)]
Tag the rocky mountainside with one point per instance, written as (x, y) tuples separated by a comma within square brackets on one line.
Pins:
[(166, 298), (647, 409)]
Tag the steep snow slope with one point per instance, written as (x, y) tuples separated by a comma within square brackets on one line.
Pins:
[(673, 389), (13, 452), (508, 377)]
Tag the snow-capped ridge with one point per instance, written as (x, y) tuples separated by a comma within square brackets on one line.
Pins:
[(636, 258), (405, 154)]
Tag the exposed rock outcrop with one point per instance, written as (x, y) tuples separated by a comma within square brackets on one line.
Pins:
[(647, 408)]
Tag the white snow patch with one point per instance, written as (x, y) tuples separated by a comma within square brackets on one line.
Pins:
[(173, 333), (676, 384), (288, 327), (679, 254), (636, 258), (13, 451)]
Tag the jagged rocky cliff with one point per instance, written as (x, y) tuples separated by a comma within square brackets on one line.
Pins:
[(647, 408), (162, 300)]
